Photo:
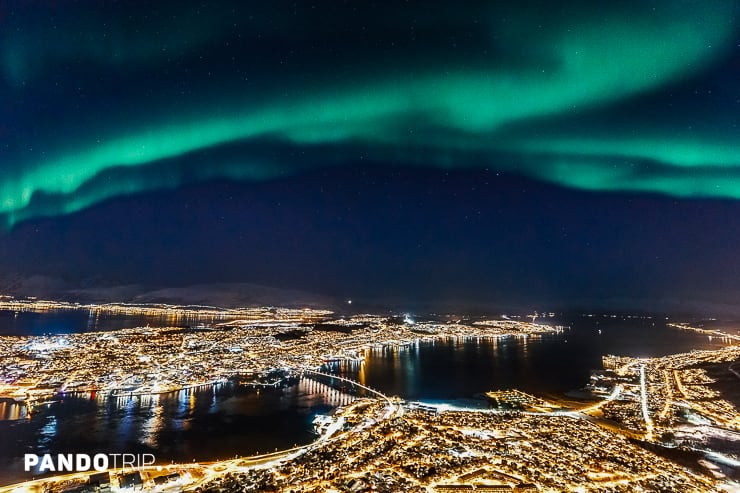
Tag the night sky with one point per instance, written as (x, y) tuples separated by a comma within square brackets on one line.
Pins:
[(522, 153)]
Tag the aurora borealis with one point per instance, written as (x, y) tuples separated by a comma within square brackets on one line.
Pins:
[(510, 129), (94, 99)]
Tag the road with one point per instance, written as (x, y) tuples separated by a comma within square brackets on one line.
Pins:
[(213, 469), (643, 402)]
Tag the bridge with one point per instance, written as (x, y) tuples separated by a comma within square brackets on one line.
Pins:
[(391, 408), (211, 470), (349, 381)]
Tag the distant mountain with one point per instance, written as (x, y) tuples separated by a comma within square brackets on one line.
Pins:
[(722, 304), (17, 285), (235, 294), (227, 295)]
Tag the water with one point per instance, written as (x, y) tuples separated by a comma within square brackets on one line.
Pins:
[(454, 369), (213, 422), (216, 423), (74, 321)]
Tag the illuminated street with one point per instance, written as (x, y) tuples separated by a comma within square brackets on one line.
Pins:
[(381, 441)]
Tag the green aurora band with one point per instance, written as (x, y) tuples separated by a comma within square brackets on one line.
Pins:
[(454, 115)]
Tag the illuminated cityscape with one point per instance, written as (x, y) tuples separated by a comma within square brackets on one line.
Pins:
[(252, 345), (340, 246), (642, 418)]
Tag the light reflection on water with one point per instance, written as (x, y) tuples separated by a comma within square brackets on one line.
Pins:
[(206, 423), (84, 320), (10, 410), (226, 420), (553, 363), (49, 431)]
